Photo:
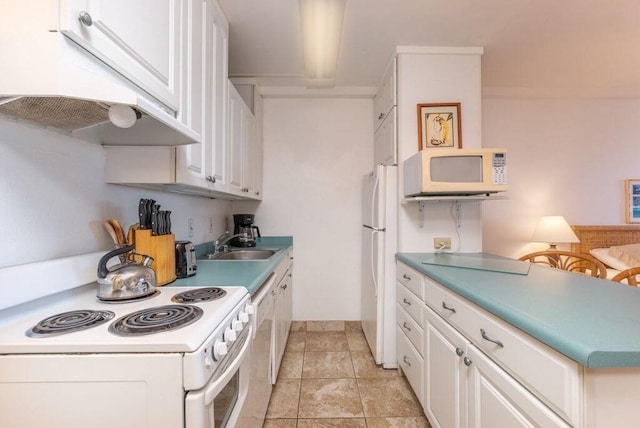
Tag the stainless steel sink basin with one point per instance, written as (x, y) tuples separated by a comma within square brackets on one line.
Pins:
[(244, 254)]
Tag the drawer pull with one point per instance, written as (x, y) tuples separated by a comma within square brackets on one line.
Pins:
[(407, 302), (406, 326), (467, 361), (485, 337), (459, 352), (444, 306), (406, 361), (407, 277)]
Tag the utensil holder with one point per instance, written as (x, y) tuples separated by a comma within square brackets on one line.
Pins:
[(163, 250)]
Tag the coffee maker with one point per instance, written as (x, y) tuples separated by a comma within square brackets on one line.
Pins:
[(243, 223)]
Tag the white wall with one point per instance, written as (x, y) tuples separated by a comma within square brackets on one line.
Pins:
[(438, 78), (53, 198), (315, 154), (565, 157)]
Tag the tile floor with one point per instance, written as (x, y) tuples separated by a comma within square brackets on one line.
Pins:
[(328, 378)]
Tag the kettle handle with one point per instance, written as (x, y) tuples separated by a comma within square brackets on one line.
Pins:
[(102, 264), (257, 230)]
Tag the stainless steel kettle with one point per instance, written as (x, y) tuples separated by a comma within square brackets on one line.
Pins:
[(126, 280)]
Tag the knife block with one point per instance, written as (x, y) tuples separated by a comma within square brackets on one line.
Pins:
[(163, 250)]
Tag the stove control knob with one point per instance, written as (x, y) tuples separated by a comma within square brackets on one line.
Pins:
[(244, 317), (237, 325), (220, 349), (230, 335), (208, 363), (250, 309)]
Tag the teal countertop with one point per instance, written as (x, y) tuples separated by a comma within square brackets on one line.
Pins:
[(235, 273), (592, 321)]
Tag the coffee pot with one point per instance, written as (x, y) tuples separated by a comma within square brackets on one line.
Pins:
[(243, 225), (126, 280)]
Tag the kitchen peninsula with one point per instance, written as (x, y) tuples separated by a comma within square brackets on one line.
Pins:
[(520, 341)]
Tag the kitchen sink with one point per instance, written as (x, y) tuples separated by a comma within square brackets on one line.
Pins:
[(244, 254)]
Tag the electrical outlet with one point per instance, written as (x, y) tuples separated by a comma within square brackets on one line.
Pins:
[(442, 243), (190, 229)]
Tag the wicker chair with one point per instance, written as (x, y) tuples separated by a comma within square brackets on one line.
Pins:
[(566, 260), (630, 275)]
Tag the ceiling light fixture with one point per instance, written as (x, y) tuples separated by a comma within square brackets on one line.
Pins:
[(321, 32)]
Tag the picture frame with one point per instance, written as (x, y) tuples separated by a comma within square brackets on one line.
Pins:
[(439, 125), (632, 200)]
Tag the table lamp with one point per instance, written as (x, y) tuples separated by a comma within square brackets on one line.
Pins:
[(554, 230)]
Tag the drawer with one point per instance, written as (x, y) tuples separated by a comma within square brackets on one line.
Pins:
[(411, 329), (410, 278), (410, 303), (552, 377), (411, 363)]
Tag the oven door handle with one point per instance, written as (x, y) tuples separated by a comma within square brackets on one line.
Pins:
[(233, 362)]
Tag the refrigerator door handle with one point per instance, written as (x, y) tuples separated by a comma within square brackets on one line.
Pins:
[(373, 270), (375, 221)]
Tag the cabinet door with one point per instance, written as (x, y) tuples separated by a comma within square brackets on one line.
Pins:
[(139, 39), (216, 87), (385, 97), (236, 140), (191, 159), (385, 146), (497, 400), (445, 384)]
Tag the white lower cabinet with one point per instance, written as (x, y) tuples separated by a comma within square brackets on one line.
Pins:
[(477, 371), (283, 314), (464, 388)]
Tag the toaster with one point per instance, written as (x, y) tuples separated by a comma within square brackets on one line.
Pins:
[(185, 259)]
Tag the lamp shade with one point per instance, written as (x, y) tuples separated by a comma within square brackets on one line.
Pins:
[(321, 22), (554, 230)]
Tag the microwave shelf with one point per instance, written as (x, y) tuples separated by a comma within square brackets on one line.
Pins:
[(456, 199)]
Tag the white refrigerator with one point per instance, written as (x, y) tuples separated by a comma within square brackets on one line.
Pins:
[(379, 245)]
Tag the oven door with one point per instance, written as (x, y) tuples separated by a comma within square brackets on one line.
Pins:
[(219, 403)]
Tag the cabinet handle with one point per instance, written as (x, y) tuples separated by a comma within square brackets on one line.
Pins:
[(380, 116), (406, 301), (407, 277), (406, 361), (211, 179), (487, 338), (406, 326), (85, 19), (467, 361), (444, 306), (459, 352)]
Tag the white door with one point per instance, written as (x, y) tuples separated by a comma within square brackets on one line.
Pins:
[(497, 400), (139, 39), (445, 382), (373, 208), (371, 293)]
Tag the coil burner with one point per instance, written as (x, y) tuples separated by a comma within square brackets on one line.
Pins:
[(67, 322), (199, 295), (155, 320)]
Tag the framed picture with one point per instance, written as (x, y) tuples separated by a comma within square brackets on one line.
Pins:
[(439, 125), (632, 198)]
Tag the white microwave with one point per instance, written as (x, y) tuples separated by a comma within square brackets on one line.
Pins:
[(443, 172)]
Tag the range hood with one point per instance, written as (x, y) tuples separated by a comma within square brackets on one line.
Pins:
[(49, 81)]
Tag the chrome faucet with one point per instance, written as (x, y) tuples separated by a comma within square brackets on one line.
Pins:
[(219, 245)]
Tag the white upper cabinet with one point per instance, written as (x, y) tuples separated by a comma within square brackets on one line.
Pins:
[(139, 39), (203, 88), (385, 98), (245, 148)]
